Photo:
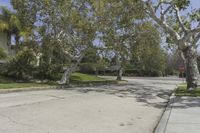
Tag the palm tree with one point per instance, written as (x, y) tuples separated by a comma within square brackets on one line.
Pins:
[(9, 24)]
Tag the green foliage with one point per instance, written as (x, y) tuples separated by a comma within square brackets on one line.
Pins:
[(116, 24), (182, 91), (21, 85), (26, 17), (87, 67), (49, 71), (91, 56), (92, 62), (3, 54), (22, 65), (85, 77), (4, 79), (182, 4), (147, 54), (5, 15), (52, 61), (195, 16), (171, 71), (9, 21), (101, 64), (92, 68), (67, 29), (79, 78), (11, 25), (174, 61)]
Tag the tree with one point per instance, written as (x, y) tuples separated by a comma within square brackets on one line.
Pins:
[(22, 64), (116, 21), (184, 31), (6, 23), (90, 61), (11, 25), (26, 12), (68, 24), (147, 54)]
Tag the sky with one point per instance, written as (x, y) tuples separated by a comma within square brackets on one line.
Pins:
[(5, 3), (195, 3)]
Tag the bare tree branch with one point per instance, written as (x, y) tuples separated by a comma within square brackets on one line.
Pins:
[(157, 6), (168, 8), (179, 18), (166, 2), (196, 39), (161, 22), (196, 30)]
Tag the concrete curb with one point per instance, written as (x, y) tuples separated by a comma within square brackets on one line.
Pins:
[(3, 91), (162, 125)]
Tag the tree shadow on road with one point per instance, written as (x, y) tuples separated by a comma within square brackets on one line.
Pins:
[(185, 102), (149, 95)]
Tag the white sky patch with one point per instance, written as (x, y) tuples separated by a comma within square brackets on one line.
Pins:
[(5, 3)]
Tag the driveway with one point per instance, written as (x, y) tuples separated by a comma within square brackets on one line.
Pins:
[(134, 107)]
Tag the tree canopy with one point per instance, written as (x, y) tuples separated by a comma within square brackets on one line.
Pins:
[(66, 31)]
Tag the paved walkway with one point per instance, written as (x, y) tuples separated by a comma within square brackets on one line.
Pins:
[(181, 116), (135, 107)]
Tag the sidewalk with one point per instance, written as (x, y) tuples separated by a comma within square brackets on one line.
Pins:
[(181, 116)]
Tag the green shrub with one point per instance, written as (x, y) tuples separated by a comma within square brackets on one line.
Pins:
[(155, 73), (49, 71), (87, 67), (139, 72), (22, 65), (3, 54)]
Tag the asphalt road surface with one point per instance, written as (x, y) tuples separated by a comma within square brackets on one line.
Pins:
[(134, 107)]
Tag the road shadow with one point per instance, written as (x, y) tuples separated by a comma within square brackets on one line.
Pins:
[(185, 102), (145, 94)]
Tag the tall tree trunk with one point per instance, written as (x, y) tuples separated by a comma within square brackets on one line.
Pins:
[(120, 73), (67, 73), (65, 77), (72, 68), (192, 72)]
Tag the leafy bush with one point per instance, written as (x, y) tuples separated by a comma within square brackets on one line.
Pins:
[(87, 67), (132, 72), (22, 65), (155, 73), (49, 71), (3, 54)]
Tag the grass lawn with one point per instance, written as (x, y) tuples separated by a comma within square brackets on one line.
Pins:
[(80, 78), (182, 91), (85, 77), (76, 78), (7, 83), (20, 85)]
